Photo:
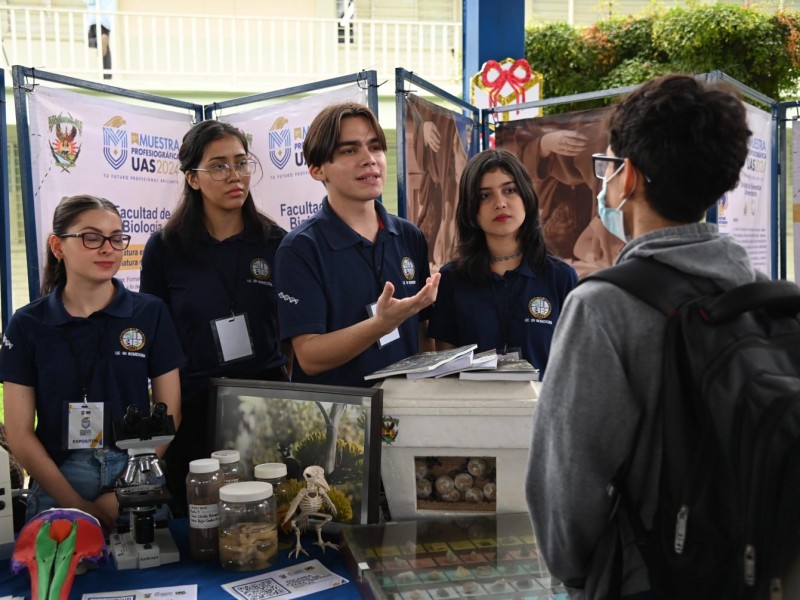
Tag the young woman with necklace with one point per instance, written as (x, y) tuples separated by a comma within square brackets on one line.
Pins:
[(505, 290)]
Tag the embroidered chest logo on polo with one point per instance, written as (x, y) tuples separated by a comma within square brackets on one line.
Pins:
[(132, 339), (409, 270), (540, 307), (260, 269)]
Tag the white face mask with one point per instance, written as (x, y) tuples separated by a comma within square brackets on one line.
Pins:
[(611, 218)]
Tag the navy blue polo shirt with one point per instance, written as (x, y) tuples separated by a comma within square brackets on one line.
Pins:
[(129, 341), (520, 308), (237, 272), (327, 274)]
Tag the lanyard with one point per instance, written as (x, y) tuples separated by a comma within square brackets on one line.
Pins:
[(230, 286), (87, 380), (505, 323)]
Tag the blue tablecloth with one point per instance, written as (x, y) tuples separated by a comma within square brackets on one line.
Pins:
[(209, 576)]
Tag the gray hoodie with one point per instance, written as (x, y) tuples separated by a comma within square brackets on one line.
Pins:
[(604, 368)]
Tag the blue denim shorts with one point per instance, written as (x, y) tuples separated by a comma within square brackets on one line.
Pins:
[(90, 472)]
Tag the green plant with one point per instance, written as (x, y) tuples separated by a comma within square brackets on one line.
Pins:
[(349, 463), (757, 48)]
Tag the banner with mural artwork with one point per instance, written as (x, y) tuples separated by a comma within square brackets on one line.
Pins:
[(557, 152), (283, 189), (128, 154), (746, 211), (438, 144)]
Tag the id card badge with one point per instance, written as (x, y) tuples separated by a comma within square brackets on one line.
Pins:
[(389, 337), (232, 335), (84, 425), (509, 353)]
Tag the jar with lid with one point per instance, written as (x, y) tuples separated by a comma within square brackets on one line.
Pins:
[(231, 464), (275, 474), (248, 534), (202, 492)]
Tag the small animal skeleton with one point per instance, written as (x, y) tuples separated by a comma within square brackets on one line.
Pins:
[(309, 499)]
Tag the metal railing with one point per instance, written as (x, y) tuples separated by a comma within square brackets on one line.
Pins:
[(204, 52)]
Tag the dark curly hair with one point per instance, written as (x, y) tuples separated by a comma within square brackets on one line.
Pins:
[(688, 137)]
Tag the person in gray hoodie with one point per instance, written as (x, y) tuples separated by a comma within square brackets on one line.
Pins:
[(676, 145)]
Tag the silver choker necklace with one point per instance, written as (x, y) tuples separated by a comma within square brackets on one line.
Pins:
[(503, 258)]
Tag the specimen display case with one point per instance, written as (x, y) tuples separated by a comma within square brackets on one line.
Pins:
[(493, 556), (299, 424)]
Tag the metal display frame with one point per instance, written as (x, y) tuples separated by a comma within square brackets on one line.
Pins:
[(402, 76), (778, 190), (24, 81), (6, 302)]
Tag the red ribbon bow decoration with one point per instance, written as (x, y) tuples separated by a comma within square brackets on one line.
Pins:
[(495, 76)]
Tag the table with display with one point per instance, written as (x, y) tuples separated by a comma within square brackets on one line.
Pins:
[(208, 576)]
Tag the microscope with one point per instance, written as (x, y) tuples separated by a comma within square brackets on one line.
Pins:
[(141, 489)]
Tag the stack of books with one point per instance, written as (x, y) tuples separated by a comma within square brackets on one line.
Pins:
[(505, 369), (483, 366)]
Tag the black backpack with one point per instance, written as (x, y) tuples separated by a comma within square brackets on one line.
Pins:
[(727, 523)]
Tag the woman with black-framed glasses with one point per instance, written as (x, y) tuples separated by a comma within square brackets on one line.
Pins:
[(77, 358), (213, 264)]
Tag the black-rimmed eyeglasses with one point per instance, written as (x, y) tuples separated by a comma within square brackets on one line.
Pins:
[(221, 171), (601, 163), (93, 241)]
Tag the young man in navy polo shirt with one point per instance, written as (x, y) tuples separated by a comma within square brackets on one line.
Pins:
[(353, 281)]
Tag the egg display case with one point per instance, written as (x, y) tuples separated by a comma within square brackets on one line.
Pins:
[(453, 447)]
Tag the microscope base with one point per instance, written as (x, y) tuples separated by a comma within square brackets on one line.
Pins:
[(130, 555)]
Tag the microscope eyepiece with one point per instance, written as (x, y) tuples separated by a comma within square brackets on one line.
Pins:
[(159, 412), (132, 415)]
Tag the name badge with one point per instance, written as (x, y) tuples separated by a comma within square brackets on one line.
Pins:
[(84, 425), (232, 335), (389, 337)]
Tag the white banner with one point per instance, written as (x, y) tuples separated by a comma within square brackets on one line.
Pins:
[(276, 132), (746, 212), (128, 154)]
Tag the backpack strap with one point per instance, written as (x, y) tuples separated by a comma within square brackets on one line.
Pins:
[(776, 297), (663, 287)]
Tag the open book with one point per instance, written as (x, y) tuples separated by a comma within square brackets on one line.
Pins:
[(424, 362)]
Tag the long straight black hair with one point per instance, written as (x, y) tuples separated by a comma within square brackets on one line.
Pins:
[(185, 228), (472, 260), (67, 211)]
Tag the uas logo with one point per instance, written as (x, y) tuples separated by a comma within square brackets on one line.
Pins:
[(115, 142), (65, 146), (280, 143)]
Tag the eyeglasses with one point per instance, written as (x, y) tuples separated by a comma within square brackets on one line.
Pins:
[(93, 241), (221, 171), (601, 162)]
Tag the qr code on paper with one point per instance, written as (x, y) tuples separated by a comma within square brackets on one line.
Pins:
[(264, 588)]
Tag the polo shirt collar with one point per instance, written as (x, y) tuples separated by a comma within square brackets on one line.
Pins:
[(339, 235), (524, 269), (121, 305), (242, 235)]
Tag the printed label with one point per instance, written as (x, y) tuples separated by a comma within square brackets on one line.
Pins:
[(203, 516)]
